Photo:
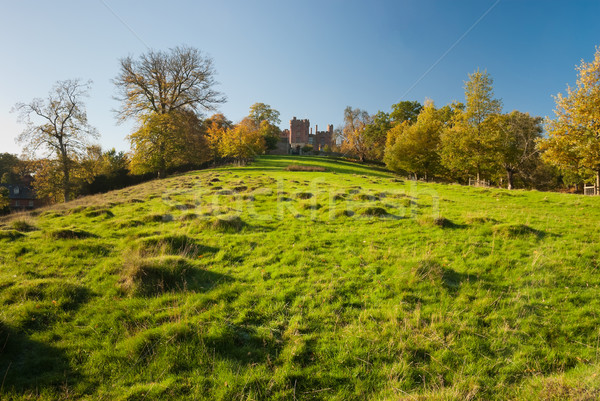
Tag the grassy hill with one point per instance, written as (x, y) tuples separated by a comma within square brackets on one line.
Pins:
[(261, 283)]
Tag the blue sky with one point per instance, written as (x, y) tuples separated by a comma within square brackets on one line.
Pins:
[(308, 59)]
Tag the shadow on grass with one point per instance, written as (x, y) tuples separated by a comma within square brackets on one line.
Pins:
[(242, 344), (158, 280), (28, 366), (452, 280)]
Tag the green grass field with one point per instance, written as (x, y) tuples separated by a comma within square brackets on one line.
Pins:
[(255, 283)]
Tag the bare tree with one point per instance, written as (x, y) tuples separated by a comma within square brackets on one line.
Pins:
[(58, 125), (164, 86), (161, 82)]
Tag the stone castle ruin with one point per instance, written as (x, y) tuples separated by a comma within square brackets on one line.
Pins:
[(301, 134)]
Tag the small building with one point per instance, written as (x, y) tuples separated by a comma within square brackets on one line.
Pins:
[(21, 197)]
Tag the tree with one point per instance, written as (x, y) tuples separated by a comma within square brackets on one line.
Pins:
[(376, 134), (260, 112), (573, 142), (8, 168), (160, 82), (355, 122), (4, 201), (414, 148), (467, 145), (165, 141), (407, 110), (242, 142), (266, 119), (515, 136), (59, 126), (165, 92), (216, 126)]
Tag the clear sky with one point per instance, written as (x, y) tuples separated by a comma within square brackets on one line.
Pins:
[(308, 59)]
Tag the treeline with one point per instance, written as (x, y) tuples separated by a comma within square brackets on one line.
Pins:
[(166, 94), (476, 140)]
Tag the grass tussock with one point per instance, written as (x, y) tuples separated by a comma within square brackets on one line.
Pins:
[(10, 235), (439, 221), (22, 226), (295, 167), (157, 218), (304, 195), (228, 224), (373, 211), (69, 233), (106, 213), (154, 276), (366, 198), (169, 245), (516, 231), (343, 213)]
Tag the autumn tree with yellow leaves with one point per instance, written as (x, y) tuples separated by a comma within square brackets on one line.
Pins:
[(573, 142)]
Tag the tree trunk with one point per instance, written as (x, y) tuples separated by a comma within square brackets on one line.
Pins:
[(597, 189), (509, 178), (66, 171), (66, 183)]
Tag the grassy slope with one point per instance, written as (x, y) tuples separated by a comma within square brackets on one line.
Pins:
[(152, 295)]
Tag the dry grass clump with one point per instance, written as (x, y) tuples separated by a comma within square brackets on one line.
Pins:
[(428, 269), (295, 167), (22, 226)]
